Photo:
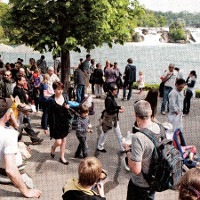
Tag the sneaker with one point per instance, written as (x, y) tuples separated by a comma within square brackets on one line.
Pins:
[(37, 142), (124, 98), (102, 150), (125, 161), (163, 112)]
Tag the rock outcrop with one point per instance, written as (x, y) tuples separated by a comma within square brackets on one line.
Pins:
[(164, 36)]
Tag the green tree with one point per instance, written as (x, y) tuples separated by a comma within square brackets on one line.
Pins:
[(65, 25), (3, 10), (177, 30)]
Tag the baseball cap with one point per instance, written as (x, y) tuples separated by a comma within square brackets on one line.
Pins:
[(5, 104)]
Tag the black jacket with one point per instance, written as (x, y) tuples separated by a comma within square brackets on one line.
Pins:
[(111, 105), (130, 73)]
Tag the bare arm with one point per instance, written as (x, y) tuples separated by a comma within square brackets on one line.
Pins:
[(14, 175), (135, 167)]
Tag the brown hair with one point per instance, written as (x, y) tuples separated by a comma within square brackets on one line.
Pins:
[(152, 98), (58, 85), (189, 186), (84, 109), (89, 171)]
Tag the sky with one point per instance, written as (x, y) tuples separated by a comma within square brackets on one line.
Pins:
[(167, 5), (172, 5)]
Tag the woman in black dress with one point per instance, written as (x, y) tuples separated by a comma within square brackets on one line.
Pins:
[(58, 120)]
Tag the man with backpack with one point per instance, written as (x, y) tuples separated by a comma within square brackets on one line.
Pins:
[(149, 176), (129, 77)]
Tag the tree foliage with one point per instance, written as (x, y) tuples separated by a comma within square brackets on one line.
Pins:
[(65, 25), (3, 11), (191, 19), (177, 30), (149, 19)]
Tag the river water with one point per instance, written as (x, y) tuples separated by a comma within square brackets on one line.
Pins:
[(150, 58)]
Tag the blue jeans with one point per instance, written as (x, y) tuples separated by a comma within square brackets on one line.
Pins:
[(129, 89), (80, 92), (165, 99), (137, 193)]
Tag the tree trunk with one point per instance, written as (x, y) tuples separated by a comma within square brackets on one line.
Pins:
[(65, 68)]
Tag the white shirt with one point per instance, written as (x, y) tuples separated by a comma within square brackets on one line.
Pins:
[(8, 144), (172, 78)]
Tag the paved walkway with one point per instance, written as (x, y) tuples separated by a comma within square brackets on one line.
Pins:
[(50, 175)]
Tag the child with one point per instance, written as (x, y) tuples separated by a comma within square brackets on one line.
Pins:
[(82, 127), (140, 82)]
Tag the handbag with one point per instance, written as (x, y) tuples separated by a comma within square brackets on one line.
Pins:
[(119, 82), (161, 87), (91, 80)]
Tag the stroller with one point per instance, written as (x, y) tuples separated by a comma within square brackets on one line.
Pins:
[(188, 152), (74, 109)]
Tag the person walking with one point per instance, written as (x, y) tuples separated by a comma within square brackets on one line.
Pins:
[(169, 79), (110, 119), (129, 77), (58, 120), (24, 118), (81, 132), (190, 82)]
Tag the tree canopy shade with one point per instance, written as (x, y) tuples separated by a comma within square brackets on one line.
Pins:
[(65, 25)]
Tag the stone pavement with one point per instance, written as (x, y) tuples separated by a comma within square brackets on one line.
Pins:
[(49, 175)]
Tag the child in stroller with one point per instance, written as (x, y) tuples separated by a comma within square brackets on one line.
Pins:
[(188, 152)]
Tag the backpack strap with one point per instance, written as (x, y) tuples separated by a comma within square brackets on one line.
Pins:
[(153, 136)]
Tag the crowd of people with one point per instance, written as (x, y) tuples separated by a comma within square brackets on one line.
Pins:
[(38, 87)]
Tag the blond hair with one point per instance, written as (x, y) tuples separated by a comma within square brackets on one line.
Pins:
[(89, 171)]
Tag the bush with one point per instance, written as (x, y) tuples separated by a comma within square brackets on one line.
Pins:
[(147, 86), (156, 86), (197, 93)]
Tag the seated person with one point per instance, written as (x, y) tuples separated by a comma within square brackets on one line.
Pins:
[(9, 151), (90, 176)]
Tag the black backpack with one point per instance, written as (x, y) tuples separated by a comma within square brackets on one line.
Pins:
[(166, 163)]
